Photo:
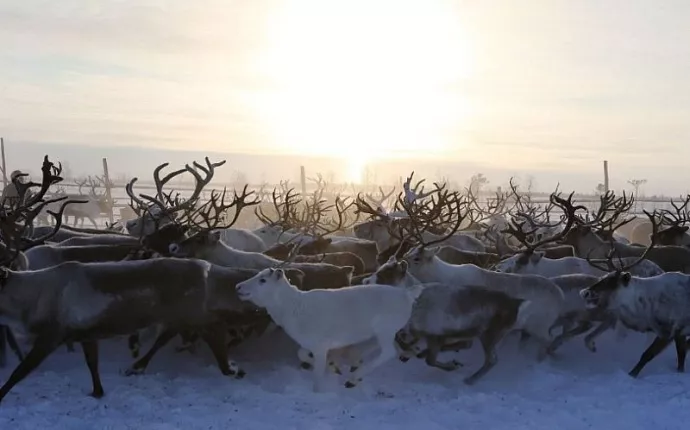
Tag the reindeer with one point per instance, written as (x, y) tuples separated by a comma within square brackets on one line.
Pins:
[(676, 230), (660, 305), (16, 228), (547, 297), (276, 231), (95, 204)]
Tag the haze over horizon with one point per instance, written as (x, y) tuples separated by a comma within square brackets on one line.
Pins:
[(547, 88)]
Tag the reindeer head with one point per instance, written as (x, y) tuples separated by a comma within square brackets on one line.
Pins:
[(393, 272), (419, 256), (675, 231), (674, 235), (520, 262), (618, 275), (263, 289), (200, 245)]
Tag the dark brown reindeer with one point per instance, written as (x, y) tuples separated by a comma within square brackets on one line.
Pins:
[(675, 231), (16, 228)]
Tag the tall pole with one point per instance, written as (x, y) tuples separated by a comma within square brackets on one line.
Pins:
[(606, 176), (108, 194), (4, 165), (303, 180)]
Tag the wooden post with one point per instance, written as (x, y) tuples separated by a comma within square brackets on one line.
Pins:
[(606, 176), (108, 194), (4, 166), (303, 180)]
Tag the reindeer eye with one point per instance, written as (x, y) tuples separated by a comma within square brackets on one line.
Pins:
[(262, 281)]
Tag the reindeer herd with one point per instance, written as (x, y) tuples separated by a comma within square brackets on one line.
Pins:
[(355, 282)]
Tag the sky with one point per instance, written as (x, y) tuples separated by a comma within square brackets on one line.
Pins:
[(548, 88)]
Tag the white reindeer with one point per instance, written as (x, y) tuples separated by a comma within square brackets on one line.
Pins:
[(323, 320)]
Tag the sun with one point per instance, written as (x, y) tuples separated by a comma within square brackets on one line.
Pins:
[(362, 79)]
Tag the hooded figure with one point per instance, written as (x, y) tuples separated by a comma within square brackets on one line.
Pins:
[(10, 193)]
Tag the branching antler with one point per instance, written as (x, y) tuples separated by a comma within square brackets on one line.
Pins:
[(412, 194), (16, 219), (517, 228), (611, 267), (379, 201), (680, 217), (165, 202), (213, 212)]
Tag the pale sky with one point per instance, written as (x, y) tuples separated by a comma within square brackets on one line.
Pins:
[(542, 85)]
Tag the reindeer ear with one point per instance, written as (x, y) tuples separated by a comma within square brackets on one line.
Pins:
[(278, 273), (403, 266), (684, 228), (625, 278)]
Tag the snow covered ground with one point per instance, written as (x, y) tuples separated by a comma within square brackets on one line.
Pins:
[(578, 390)]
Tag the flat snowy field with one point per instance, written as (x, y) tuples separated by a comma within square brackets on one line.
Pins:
[(577, 390)]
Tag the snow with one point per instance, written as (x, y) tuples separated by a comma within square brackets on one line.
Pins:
[(576, 390)]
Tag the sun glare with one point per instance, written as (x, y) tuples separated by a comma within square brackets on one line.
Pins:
[(362, 79)]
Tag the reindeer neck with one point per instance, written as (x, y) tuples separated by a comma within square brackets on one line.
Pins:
[(285, 297)]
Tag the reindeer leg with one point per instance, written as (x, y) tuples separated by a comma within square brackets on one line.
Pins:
[(489, 340), (652, 351), (605, 325), (90, 349), (3, 346), (134, 344), (214, 337), (681, 351), (45, 344), (14, 345), (162, 339), (93, 221), (434, 344), (581, 327)]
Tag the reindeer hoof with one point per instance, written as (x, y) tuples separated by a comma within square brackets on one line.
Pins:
[(234, 370), (353, 368), (591, 346), (305, 366), (97, 394), (133, 371), (469, 380), (350, 384)]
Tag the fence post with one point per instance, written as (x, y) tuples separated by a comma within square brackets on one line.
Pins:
[(303, 180), (108, 194), (4, 166), (606, 176)]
